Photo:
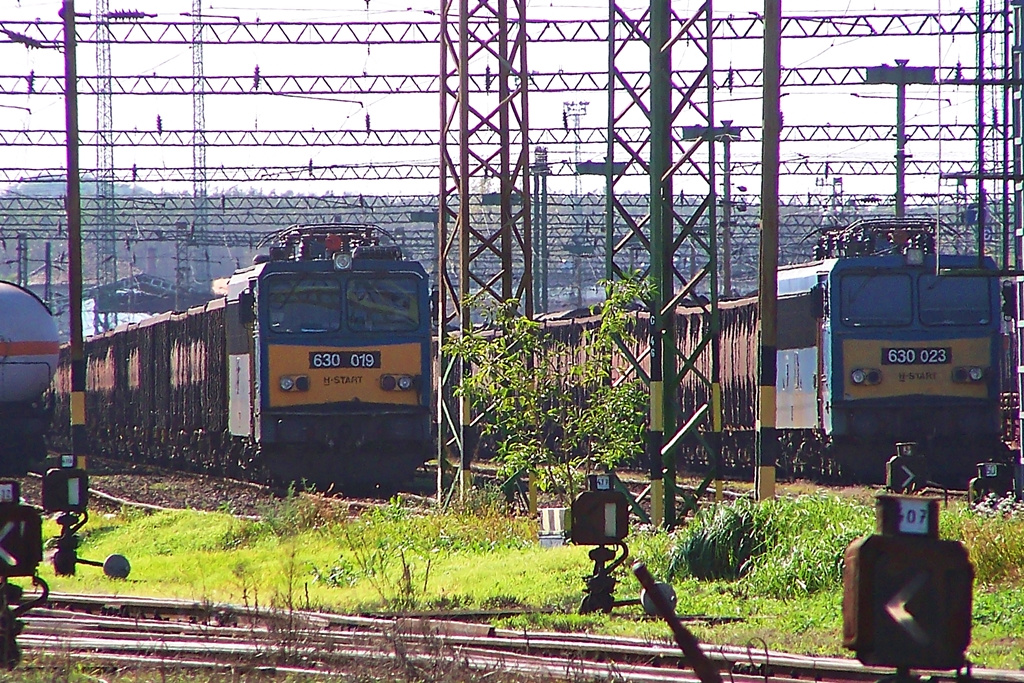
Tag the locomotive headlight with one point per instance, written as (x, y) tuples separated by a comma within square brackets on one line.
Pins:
[(405, 382), (866, 376), (287, 384), (387, 382), (967, 374), (342, 261)]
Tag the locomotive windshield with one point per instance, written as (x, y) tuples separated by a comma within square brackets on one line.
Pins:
[(382, 304), (303, 303), (950, 300), (874, 299)]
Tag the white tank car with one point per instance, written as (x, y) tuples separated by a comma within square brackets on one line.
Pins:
[(29, 347)]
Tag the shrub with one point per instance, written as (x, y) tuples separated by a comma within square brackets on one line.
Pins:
[(995, 542), (547, 409)]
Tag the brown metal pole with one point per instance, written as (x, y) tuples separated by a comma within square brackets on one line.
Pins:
[(767, 439), (73, 207)]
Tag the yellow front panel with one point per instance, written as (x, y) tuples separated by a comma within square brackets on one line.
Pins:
[(342, 384), (915, 380)]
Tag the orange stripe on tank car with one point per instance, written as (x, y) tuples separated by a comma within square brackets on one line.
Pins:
[(342, 384), (29, 348)]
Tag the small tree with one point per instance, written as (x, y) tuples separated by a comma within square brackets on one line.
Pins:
[(552, 407)]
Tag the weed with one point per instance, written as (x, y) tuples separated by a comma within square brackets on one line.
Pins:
[(387, 567), (721, 542), (779, 548), (995, 542), (247, 585), (339, 575)]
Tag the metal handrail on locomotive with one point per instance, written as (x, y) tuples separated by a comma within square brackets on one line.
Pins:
[(314, 367)]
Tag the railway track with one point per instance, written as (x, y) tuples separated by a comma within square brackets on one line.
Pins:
[(142, 632)]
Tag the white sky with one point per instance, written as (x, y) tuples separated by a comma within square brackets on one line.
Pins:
[(825, 104)]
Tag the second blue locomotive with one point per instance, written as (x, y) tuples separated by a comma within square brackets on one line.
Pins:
[(882, 341)]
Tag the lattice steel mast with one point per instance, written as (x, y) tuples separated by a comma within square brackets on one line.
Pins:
[(106, 245), (186, 273), (666, 233), (477, 258)]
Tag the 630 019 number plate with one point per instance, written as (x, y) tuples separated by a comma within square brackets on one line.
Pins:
[(328, 360), (911, 356)]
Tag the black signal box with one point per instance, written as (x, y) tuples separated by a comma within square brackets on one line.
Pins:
[(907, 596), (65, 490), (599, 518), (21, 540)]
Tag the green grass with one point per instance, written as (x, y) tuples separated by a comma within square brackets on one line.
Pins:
[(774, 568)]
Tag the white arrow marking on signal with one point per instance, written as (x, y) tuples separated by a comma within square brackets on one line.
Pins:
[(4, 555), (897, 609), (910, 476)]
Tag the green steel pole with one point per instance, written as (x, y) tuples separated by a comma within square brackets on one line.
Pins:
[(663, 357)]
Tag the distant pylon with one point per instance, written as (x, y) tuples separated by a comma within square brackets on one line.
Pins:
[(106, 245), (199, 188)]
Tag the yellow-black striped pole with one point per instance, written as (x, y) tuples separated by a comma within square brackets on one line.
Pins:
[(74, 216), (767, 446), (716, 424), (655, 437)]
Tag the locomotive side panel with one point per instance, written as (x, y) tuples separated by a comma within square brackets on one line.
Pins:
[(796, 385)]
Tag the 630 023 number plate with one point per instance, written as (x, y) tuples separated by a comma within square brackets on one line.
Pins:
[(911, 356), (328, 360)]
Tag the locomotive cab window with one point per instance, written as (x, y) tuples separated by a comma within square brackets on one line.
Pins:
[(303, 303), (951, 300), (382, 304), (875, 299)]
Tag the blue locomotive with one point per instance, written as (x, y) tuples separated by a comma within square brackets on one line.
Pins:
[(314, 368), (881, 341)]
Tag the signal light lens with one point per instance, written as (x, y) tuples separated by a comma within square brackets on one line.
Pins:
[(388, 382), (976, 374), (287, 384), (858, 376), (405, 382)]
